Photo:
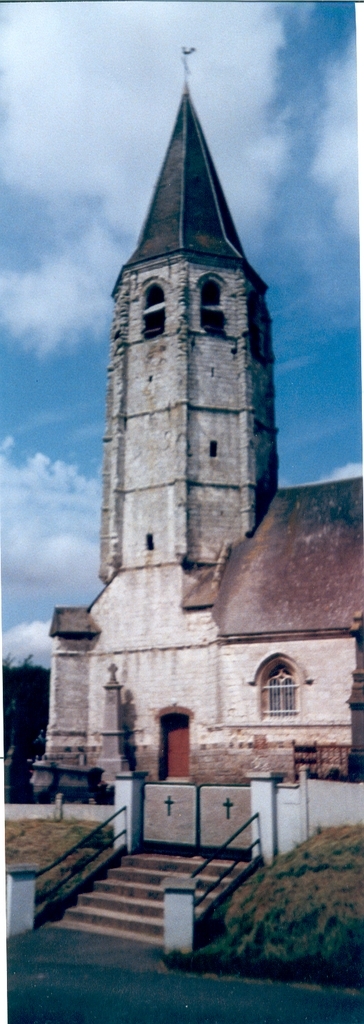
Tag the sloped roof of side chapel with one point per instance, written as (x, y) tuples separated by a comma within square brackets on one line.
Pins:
[(188, 211)]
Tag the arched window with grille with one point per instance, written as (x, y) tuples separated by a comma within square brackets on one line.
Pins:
[(212, 316), (155, 312), (279, 686)]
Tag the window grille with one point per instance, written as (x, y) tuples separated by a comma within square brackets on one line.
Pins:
[(279, 693)]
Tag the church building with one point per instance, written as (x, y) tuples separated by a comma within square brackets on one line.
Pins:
[(222, 641)]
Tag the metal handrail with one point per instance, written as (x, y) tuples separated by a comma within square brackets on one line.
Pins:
[(43, 896), (228, 870), (81, 842), (224, 846), (215, 883)]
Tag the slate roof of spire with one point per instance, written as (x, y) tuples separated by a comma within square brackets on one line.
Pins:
[(188, 210)]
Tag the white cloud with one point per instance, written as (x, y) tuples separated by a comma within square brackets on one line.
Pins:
[(28, 638), (297, 363), (68, 293), (336, 160), (50, 524), (347, 472), (90, 92), (7, 444)]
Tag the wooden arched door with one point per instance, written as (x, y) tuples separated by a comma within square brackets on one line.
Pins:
[(175, 761)]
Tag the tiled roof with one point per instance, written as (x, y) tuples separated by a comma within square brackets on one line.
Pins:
[(188, 209), (303, 568), (68, 622)]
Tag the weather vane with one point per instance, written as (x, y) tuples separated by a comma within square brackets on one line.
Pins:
[(186, 52)]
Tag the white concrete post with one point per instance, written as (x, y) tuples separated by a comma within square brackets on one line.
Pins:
[(20, 893), (304, 824), (179, 913), (264, 802), (129, 787), (58, 807)]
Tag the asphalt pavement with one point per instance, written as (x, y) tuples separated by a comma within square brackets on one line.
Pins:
[(59, 976)]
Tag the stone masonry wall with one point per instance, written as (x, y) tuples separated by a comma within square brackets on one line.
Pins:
[(168, 398), (69, 698), (170, 658)]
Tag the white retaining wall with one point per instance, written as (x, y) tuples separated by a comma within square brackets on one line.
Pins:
[(48, 812), (314, 804), (289, 818), (334, 803)]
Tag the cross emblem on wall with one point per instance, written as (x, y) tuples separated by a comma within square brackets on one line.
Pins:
[(169, 803), (228, 803)]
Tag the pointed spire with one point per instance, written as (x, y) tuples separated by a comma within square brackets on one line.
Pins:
[(188, 211)]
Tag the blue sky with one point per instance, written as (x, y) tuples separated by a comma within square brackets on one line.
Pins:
[(88, 97)]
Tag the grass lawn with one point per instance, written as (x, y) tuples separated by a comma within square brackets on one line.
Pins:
[(41, 842), (301, 918)]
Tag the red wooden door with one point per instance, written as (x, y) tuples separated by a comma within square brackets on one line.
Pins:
[(178, 752), (177, 746)]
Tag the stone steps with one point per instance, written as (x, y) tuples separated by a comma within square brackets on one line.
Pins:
[(132, 890), (117, 923), (129, 902), (107, 901)]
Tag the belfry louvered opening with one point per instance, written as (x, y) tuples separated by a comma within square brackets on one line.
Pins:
[(212, 316), (155, 312)]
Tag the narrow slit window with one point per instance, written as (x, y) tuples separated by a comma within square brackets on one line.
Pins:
[(213, 449), (150, 542)]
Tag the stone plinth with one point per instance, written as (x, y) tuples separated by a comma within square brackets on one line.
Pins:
[(129, 794), (20, 893), (179, 900), (264, 802), (112, 757)]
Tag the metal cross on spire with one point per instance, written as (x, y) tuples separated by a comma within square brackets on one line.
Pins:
[(186, 52)]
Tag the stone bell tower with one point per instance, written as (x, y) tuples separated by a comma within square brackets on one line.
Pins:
[(190, 457)]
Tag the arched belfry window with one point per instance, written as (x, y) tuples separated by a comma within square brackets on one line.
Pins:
[(279, 685), (155, 312), (212, 317)]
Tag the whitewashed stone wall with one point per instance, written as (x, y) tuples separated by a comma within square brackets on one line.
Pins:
[(168, 397), (169, 657)]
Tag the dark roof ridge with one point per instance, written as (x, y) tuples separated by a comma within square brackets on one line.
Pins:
[(239, 252), (319, 483)]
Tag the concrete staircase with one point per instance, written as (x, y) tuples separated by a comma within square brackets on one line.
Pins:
[(129, 902)]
